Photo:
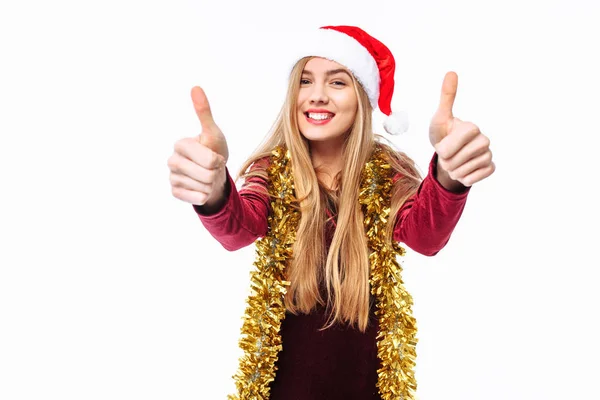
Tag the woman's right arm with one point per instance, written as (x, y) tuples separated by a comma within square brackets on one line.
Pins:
[(240, 218)]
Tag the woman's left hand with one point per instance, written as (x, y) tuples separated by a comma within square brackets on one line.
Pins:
[(464, 153)]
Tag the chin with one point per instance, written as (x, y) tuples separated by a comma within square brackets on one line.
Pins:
[(320, 137), (310, 134), (320, 134)]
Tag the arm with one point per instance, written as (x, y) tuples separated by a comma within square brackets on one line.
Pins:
[(240, 219), (426, 220)]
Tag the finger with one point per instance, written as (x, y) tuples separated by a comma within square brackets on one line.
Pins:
[(479, 145), (478, 175), (185, 182), (199, 153), (189, 196), (461, 134), (181, 165), (480, 161), (449, 88), (202, 107)]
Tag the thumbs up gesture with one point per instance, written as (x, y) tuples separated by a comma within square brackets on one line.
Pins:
[(464, 155), (197, 166)]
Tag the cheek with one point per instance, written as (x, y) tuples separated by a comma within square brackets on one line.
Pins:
[(354, 106), (301, 99), (351, 112), (355, 111), (348, 103)]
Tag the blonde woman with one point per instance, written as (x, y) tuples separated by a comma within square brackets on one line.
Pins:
[(327, 202)]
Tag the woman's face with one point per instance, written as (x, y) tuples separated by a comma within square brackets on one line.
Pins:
[(327, 103)]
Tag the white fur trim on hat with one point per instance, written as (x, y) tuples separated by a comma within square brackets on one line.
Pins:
[(396, 123), (345, 50)]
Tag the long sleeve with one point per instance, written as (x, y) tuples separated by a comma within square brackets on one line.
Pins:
[(427, 219), (241, 220)]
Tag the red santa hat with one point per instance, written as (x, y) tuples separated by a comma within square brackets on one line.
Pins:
[(371, 62)]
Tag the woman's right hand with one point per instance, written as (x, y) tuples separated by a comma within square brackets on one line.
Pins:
[(198, 163)]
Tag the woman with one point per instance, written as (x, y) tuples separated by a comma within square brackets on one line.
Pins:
[(329, 201)]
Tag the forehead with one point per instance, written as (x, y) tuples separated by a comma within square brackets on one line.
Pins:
[(318, 65)]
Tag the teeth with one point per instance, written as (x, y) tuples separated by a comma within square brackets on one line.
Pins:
[(319, 116)]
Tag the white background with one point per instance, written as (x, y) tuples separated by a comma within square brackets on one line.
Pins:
[(110, 288)]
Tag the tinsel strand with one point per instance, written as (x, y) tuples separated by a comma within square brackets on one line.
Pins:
[(261, 340), (396, 339)]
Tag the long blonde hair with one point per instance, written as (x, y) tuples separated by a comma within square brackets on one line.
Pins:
[(346, 271)]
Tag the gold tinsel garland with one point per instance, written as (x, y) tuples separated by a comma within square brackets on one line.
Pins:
[(396, 338), (261, 339)]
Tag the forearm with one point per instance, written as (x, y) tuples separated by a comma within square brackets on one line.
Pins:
[(426, 221), (239, 220)]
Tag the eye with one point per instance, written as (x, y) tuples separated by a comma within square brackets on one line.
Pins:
[(304, 81), (339, 83)]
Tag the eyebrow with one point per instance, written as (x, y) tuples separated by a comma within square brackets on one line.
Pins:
[(330, 72)]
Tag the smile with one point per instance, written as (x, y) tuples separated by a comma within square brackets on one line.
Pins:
[(319, 118)]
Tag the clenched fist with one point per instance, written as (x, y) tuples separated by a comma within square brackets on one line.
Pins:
[(198, 163)]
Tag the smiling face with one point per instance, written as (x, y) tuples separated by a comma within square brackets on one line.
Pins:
[(327, 103)]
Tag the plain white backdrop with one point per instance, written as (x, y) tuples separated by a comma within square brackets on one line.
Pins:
[(110, 288)]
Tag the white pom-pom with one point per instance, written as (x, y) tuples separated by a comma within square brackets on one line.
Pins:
[(396, 123)]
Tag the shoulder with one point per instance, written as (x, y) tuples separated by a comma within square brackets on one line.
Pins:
[(261, 163), (256, 175), (406, 177), (402, 165), (390, 151)]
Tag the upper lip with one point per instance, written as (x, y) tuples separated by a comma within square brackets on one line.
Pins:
[(319, 110)]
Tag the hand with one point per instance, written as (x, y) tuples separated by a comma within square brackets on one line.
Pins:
[(198, 163), (464, 153)]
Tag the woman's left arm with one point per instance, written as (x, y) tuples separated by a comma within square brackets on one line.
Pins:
[(462, 157), (427, 219)]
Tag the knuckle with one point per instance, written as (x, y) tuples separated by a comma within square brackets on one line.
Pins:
[(172, 163), (485, 141), (175, 181), (176, 192), (179, 145)]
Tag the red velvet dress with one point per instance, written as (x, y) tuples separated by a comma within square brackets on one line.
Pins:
[(339, 362)]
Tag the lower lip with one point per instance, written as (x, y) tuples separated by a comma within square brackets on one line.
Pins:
[(318, 122)]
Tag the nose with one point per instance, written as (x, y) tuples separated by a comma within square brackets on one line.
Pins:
[(318, 94)]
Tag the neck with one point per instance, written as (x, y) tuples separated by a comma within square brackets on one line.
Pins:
[(327, 158)]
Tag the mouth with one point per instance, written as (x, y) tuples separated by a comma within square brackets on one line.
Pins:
[(319, 118)]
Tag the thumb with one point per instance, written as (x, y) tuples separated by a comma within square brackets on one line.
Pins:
[(202, 108), (211, 136), (449, 88)]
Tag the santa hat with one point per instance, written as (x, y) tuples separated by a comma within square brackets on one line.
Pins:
[(371, 62)]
